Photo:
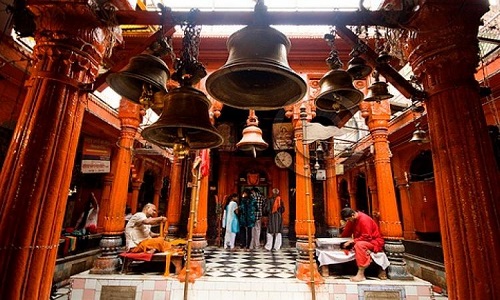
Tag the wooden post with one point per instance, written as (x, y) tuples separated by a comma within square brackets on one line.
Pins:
[(175, 197)]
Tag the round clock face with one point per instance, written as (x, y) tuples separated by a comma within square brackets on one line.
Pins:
[(283, 159)]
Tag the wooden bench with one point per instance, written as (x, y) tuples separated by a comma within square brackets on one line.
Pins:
[(176, 259)]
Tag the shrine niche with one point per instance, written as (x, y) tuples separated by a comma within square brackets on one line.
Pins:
[(253, 178)]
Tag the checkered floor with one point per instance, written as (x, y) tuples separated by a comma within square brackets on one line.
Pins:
[(250, 264)]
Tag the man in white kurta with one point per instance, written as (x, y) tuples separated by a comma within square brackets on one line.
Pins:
[(138, 228)]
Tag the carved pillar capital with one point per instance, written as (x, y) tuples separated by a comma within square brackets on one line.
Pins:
[(444, 51), (85, 36)]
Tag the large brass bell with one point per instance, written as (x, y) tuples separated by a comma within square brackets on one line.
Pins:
[(252, 136), (184, 122), (256, 74), (358, 68), (337, 92), (378, 91), (143, 72)]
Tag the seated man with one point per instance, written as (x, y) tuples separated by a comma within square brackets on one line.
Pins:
[(366, 239), (138, 234)]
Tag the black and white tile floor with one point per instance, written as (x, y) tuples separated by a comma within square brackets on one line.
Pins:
[(250, 264)]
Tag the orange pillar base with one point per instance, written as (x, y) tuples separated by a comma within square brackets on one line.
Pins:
[(196, 270), (304, 273)]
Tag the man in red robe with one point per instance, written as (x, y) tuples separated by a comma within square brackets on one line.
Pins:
[(366, 238)]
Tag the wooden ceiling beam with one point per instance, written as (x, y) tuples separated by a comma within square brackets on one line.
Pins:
[(385, 69), (389, 19)]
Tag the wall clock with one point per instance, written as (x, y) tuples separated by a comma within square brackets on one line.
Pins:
[(283, 159)]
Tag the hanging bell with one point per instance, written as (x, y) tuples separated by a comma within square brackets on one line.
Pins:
[(419, 136), (252, 136), (184, 122), (383, 57), (257, 75), (143, 72), (337, 92), (348, 152), (378, 91), (358, 68)]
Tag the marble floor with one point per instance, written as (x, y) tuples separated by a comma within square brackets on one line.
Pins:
[(238, 274), (250, 264)]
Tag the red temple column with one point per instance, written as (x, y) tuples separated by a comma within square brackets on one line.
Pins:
[(130, 116), (105, 196), (134, 199), (332, 201), (158, 184), (36, 174), (390, 225), (444, 57), (352, 189), (175, 197)]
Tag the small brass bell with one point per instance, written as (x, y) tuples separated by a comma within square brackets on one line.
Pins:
[(358, 68), (252, 136), (383, 57), (419, 136), (144, 74), (337, 92), (377, 92), (348, 152)]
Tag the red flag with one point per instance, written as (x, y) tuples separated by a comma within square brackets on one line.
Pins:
[(205, 162)]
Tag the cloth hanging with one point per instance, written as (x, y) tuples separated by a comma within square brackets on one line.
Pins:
[(276, 204)]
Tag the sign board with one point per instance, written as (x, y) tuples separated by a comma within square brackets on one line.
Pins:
[(110, 292), (321, 174), (282, 136), (339, 169), (96, 156)]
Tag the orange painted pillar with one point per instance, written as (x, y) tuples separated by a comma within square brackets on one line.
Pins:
[(105, 196), (134, 199), (371, 181), (175, 197), (352, 188), (390, 225), (444, 56), (332, 201), (130, 116), (36, 173), (406, 209), (304, 220), (158, 184)]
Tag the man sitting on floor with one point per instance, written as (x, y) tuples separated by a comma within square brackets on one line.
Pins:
[(138, 234), (366, 239)]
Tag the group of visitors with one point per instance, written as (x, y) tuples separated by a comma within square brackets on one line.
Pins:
[(243, 217)]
